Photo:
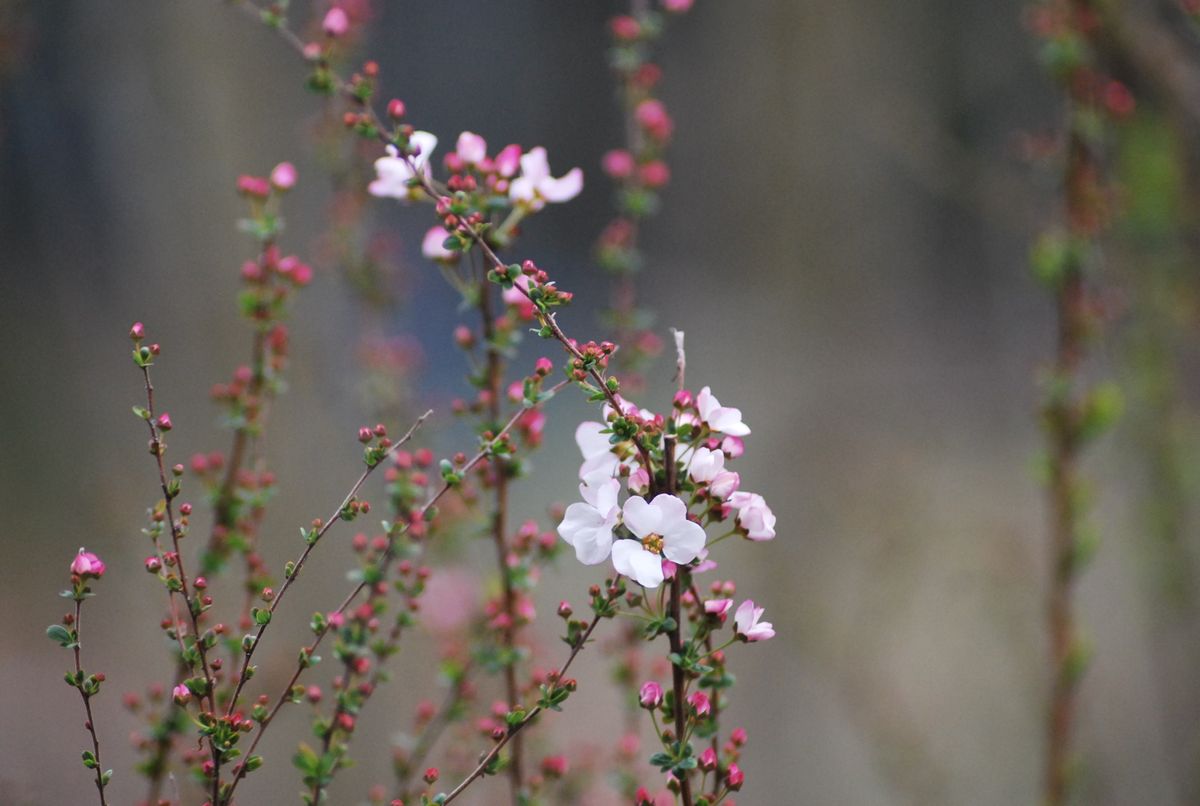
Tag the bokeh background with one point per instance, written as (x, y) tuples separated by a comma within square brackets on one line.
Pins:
[(845, 244)]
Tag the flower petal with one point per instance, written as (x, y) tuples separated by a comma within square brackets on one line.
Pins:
[(640, 517), (563, 189), (684, 541)]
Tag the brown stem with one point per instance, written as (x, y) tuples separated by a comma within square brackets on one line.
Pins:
[(495, 384), (87, 704), (158, 448), (384, 563), (513, 731), (334, 517)]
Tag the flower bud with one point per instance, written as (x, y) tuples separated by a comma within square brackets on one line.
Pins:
[(181, 694), (137, 332), (336, 23), (87, 564), (395, 109), (431, 775), (650, 696), (735, 777), (700, 703)]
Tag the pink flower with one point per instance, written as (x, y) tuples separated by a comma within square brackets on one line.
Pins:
[(535, 186), (508, 161), (754, 515), (283, 176), (708, 759), (433, 246), (718, 607), (588, 525), (87, 564), (720, 418), (700, 703), (336, 23), (746, 623), (393, 174), (471, 148), (662, 530), (650, 695), (181, 694)]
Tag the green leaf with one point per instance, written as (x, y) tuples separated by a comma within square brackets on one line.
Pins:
[(59, 633)]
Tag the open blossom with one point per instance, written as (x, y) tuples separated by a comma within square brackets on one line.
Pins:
[(471, 148), (588, 525), (433, 245), (720, 418), (87, 564), (746, 623), (535, 186), (393, 173), (663, 531), (708, 467), (754, 515), (596, 449)]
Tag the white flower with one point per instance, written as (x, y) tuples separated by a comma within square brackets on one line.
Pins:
[(720, 418), (663, 531), (746, 623), (588, 525), (535, 186), (471, 148), (596, 450), (393, 172), (754, 515)]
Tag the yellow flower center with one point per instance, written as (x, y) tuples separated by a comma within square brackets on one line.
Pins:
[(653, 543)]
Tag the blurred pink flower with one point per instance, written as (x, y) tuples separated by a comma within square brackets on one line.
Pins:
[(746, 623)]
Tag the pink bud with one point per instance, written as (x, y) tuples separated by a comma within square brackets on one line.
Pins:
[(336, 23), (153, 564), (255, 186), (650, 696), (164, 422), (431, 775), (543, 366), (137, 332), (708, 760), (735, 777), (87, 564), (700, 703), (738, 736), (283, 177), (655, 174), (181, 694), (395, 109), (618, 164)]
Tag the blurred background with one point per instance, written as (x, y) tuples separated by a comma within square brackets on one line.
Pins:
[(845, 243)]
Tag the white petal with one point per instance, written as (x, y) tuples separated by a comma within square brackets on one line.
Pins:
[(640, 517), (683, 542), (644, 567), (534, 165), (522, 190), (590, 441), (563, 189), (425, 142), (671, 510), (729, 421)]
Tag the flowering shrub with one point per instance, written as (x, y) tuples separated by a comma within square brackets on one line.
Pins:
[(657, 500)]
